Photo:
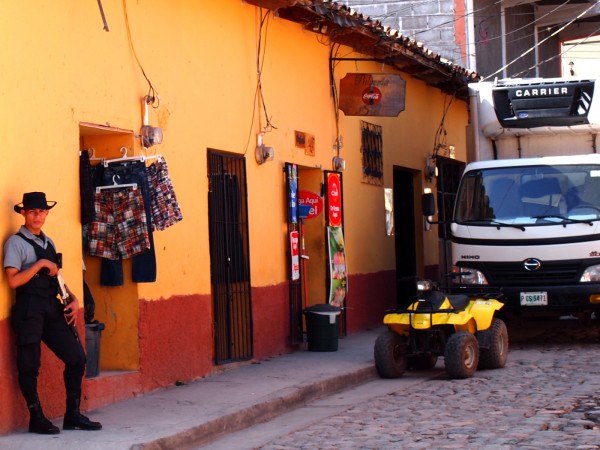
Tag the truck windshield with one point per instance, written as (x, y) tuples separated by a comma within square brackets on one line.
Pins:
[(529, 195)]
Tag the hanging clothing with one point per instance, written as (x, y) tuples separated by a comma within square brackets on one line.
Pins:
[(165, 209), (119, 229), (143, 268), (86, 188)]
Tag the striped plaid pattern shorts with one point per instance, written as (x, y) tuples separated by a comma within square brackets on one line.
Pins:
[(165, 208), (119, 229)]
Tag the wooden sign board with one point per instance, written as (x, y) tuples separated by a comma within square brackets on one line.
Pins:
[(372, 94)]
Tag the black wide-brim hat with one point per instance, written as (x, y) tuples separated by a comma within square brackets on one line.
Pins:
[(34, 200)]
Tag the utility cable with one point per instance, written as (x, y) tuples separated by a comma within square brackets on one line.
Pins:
[(593, 33), (540, 43), (152, 98), (260, 61)]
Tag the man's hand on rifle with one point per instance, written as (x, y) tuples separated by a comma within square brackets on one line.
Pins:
[(71, 309)]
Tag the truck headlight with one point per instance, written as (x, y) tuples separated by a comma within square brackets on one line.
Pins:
[(466, 275), (591, 274)]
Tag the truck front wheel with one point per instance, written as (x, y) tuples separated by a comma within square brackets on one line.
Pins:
[(390, 354), (495, 356), (462, 355)]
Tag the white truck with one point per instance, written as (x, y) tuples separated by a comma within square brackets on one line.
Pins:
[(527, 213)]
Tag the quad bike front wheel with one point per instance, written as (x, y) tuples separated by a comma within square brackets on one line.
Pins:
[(495, 356), (462, 355), (390, 354)]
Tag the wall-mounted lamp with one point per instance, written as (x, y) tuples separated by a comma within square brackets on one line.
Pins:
[(338, 163), (431, 170), (263, 153), (150, 135)]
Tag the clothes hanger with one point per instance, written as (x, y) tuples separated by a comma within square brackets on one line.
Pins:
[(124, 151), (115, 185), (92, 154), (155, 155)]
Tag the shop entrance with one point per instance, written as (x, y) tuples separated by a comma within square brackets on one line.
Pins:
[(314, 267), (306, 229), (229, 257)]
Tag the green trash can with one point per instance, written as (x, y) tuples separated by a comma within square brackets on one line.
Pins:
[(322, 327), (93, 331)]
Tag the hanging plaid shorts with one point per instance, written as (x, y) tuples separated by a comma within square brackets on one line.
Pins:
[(165, 209), (119, 229)]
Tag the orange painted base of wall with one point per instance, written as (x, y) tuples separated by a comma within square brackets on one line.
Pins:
[(176, 344)]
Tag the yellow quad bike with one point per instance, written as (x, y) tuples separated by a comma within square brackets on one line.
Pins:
[(458, 327)]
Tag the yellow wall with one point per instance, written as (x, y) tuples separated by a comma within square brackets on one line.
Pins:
[(60, 68)]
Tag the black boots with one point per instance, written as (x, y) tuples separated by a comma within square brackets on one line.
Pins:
[(74, 419), (38, 423)]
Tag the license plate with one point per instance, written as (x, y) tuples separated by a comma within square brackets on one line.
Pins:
[(534, 298)]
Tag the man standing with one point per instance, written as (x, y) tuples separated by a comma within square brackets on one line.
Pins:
[(31, 265)]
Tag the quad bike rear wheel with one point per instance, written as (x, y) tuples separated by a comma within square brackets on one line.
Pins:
[(462, 355), (390, 354), (495, 356)]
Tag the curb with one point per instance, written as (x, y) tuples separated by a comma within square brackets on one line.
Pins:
[(260, 412)]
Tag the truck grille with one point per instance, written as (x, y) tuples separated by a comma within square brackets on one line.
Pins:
[(514, 274)]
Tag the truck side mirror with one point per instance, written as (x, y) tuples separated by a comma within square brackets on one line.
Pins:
[(428, 204)]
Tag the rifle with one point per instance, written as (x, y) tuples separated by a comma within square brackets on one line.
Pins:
[(64, 294)]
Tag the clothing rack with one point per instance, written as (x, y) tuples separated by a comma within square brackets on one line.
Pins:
[(159, 157), (115, 185), (124, 157)]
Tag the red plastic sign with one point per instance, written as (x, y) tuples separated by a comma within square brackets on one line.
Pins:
[(334, 193), (313, 200)]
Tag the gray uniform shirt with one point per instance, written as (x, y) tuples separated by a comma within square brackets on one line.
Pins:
[(19, 253)]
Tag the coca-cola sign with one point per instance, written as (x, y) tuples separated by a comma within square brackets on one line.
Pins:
[(334, 199), (372, 94)]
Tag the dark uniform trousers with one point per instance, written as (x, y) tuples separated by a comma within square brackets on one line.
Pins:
[(38, 316)]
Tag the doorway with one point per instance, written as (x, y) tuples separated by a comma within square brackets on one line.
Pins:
[(229, 257), (405, 236)]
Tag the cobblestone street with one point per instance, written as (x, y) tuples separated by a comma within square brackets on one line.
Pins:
[(547, 397)]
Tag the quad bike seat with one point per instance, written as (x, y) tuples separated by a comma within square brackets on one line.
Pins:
[(435, 299), (459, 301)]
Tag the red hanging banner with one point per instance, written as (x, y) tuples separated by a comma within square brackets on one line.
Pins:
[(334, 199)]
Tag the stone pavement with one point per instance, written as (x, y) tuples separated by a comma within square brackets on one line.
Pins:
[(547, 397), (198, 412)]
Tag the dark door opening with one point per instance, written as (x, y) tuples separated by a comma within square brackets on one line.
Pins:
[(405, 236), (229, 257)]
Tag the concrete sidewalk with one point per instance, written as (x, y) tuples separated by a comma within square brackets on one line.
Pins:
[(199, 412)]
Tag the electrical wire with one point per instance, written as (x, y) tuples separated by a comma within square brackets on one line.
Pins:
[(593, 33), (153, 99), (259, 66), (539, 43), (260, 60), (563, 6), (440, 139), (333, 53), (516, 30)]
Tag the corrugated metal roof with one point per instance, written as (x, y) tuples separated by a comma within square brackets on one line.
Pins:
[(344, 25)]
